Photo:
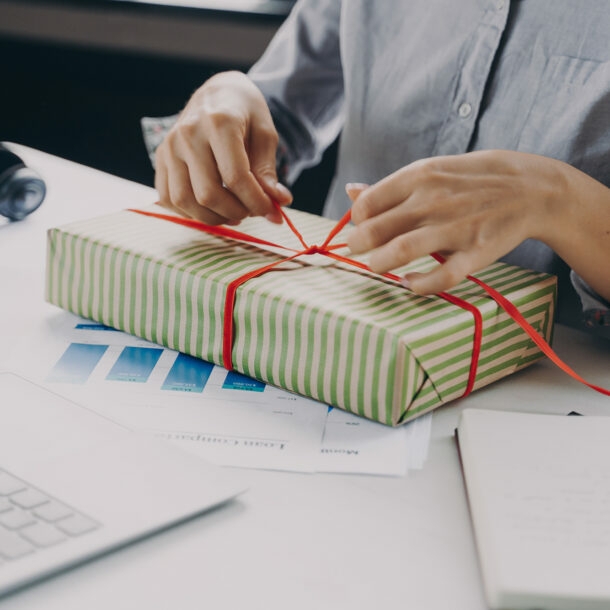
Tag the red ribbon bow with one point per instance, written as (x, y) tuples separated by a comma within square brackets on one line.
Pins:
[(327, 249)]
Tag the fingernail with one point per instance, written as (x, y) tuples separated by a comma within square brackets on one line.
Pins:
[(353, 190), (405, 282), (356, 186), (277, 190)]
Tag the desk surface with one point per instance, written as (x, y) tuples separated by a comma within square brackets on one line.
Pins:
[(293, 541)]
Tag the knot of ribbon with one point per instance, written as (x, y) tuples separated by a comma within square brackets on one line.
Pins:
[(327, 249), (315, 250)]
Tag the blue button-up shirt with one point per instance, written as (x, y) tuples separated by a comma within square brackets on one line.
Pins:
[(406, 79)]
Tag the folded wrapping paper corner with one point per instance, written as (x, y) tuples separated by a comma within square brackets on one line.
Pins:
[(337, 335), (442, 346)]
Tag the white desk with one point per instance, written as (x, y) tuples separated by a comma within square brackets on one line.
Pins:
[(293, 541)]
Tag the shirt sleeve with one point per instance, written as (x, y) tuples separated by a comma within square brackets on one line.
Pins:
[(596, 310), (301, 77), (154, 130)]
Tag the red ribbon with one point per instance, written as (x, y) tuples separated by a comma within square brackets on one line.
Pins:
[(327, 249)]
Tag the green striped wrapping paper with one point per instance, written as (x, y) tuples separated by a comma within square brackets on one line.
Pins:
[(316, 327)]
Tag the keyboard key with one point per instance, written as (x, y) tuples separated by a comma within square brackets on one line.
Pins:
[(52, 511), (31, 520), (76, 525), (10, 484), (13, 546), (29, 498), (42, 534), (16, 519)]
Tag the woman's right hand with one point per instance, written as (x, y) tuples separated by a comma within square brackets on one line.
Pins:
[(218, 162)]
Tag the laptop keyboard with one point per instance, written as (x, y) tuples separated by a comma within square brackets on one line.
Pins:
[(31, 519)]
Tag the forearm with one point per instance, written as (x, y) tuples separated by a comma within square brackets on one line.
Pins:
[(577, 226)]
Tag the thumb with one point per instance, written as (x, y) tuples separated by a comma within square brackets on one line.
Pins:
[(263, 148)]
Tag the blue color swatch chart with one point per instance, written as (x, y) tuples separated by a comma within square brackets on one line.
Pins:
[(139, 364)]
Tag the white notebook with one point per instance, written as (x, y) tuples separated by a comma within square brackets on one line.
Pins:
[(539, 493)]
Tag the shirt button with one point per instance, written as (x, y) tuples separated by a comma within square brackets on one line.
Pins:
[(464, 110), (499, 4)]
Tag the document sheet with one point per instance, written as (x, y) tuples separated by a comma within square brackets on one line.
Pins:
[(221, 415)]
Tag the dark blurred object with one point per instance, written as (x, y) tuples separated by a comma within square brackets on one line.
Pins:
[(22, 190)]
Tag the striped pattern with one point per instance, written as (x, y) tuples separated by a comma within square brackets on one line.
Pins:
[(314, 327)]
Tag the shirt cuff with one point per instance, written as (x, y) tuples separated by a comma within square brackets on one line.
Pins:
[(154, 130), (596, 310)]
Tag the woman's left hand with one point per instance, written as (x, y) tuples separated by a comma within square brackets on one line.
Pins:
[(471, 208)]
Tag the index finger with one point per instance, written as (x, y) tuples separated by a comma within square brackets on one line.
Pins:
[(400, 185), (234, 169)]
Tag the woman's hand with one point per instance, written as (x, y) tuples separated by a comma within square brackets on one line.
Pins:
[(217, 164), (471, 208)]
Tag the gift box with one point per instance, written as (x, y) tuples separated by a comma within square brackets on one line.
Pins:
[(298, 317)]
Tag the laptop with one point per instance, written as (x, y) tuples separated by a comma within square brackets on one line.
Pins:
[(74, 484)]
